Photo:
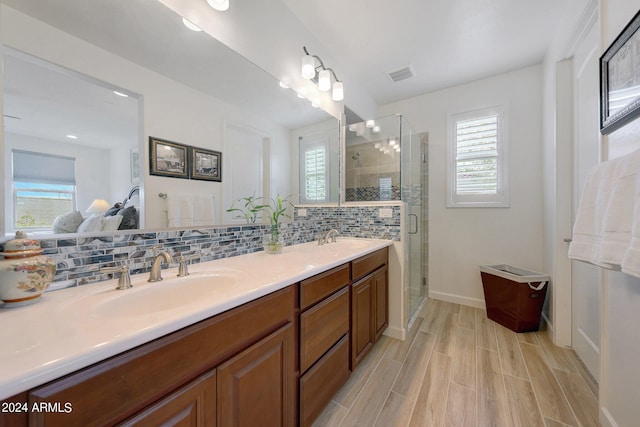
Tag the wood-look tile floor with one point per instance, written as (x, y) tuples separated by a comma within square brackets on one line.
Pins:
[(457, 368)]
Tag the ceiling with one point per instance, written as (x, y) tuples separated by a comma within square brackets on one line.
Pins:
[(446, 42)]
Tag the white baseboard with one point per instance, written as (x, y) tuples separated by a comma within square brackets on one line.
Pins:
[(606, 420), (457, 299), (397, 333)]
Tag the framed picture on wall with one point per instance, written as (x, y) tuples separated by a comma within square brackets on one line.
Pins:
[(206, 164), (168, 158), (620, 79)]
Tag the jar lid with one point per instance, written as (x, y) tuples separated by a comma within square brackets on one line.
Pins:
[(21, 247)]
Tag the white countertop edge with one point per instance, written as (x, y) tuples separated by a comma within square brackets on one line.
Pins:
[(14, 381)]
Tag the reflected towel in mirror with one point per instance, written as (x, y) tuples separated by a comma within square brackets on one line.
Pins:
[(180, 209)]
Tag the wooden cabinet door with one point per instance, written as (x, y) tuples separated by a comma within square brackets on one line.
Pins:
[(381, 301), (193, 405), (362, 318), (257, 387)]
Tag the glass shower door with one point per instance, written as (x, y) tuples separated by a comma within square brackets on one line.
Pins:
[(413, 196)]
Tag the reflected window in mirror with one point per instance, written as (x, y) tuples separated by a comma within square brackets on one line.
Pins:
[(44, 187), (314, 174)]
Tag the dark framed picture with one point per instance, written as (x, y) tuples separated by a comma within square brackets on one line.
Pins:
[(168, 158), (620, 79), (206, 164)]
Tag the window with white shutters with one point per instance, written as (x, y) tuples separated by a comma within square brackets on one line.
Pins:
[(314, 158), (477, 173)]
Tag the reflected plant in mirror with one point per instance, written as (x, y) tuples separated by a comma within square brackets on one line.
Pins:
[(250, 210)]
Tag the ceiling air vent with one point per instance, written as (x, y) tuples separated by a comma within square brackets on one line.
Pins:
[(401, 73)]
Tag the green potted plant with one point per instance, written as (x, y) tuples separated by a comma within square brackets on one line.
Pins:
[(272, 242)]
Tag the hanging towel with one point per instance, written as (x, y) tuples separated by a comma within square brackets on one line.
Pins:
[(588, 228), (619, 216), (203, 209), (631, 260), (180, 209)]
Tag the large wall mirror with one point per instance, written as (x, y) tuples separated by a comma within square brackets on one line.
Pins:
[(66, 59)]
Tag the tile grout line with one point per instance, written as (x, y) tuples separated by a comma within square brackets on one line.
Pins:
[(526, 367)]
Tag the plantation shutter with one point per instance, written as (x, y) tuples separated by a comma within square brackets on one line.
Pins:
[(315, 173), (477, 155)]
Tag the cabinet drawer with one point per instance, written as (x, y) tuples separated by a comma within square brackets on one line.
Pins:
[(322, 326), (126, 383), (318, 287), (323, 380), (368, 263)]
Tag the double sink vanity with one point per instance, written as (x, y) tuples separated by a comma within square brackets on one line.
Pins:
[(251, 340)]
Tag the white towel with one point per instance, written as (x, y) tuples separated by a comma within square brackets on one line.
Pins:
[(180, 209), (631, 260), (588, 228), (619, 218), (203, 209)]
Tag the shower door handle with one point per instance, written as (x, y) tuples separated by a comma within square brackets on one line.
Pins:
[(416, 224)]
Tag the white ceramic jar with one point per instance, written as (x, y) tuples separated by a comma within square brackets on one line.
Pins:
[(24, 273)]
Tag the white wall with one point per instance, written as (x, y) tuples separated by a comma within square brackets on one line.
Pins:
[(461, 239), (619, 397), (171, 110)]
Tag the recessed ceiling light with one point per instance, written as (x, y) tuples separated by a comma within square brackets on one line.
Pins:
[(72, 136), (284, 85), (124, 95), (190, 25)]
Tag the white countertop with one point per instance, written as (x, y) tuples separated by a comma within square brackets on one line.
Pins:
[(70, 329)]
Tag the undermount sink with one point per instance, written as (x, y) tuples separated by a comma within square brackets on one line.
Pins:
[(148, 298)]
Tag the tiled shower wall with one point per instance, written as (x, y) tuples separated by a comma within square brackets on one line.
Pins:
[(79, 259)]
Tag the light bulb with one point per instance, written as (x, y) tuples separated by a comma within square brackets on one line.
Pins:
[(220, 5), (338, 92), (190, 25), (324, 80), (376, 129), (370, 124), (308, 67)]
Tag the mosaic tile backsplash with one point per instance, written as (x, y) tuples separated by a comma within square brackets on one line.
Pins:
[(79, 259)]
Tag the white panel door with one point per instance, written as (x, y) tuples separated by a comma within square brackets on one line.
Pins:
[(585, 278), (244, 151)]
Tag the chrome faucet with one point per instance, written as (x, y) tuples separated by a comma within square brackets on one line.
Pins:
[(331, 233), (156, 268)]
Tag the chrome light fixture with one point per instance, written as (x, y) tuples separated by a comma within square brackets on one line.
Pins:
[(220, 5), (308, 71)]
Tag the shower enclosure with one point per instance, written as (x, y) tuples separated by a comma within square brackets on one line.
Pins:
[(385, 160)]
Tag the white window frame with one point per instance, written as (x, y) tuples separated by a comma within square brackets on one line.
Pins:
[(310, 143), (501, 198)]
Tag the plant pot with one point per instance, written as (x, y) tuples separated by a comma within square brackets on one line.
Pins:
[(272, 245)]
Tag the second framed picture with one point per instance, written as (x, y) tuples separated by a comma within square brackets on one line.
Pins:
[(205, 164)]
